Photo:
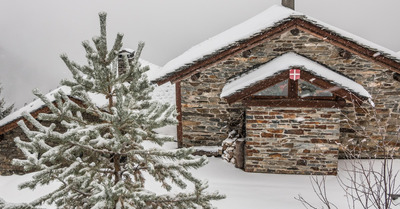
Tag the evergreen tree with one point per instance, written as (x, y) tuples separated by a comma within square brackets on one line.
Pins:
[(4, 111), (103, 163)]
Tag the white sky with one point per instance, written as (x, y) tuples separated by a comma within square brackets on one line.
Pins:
[(34, 33)]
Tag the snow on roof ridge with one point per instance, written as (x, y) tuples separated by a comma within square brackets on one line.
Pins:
[(126, 50), (285, 62), (266, 19), (154, 70), (357, 39), (245, 29)]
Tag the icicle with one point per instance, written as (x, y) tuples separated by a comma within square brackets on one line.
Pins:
[(376, 54), (371, 102)]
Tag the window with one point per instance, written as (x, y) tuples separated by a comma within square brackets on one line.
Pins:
[(307, 89), (291, 88), (279, 89), (295, 88)]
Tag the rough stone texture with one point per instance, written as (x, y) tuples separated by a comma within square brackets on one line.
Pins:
[(292, 140), (367, 132), (9, 151), (205, 115)]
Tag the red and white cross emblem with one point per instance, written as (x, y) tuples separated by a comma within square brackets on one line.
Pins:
[(294, 74)]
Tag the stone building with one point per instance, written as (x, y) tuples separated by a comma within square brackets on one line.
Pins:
[(289, 84), (9, 130)]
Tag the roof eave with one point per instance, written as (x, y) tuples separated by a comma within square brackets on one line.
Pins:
[(35, 113)]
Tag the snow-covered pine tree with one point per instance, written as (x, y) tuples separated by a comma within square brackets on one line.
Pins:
[(4, 111), (104, 163)]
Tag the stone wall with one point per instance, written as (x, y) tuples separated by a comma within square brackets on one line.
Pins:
[(205, 115), (367, 132), (292, 140), (9, 151)]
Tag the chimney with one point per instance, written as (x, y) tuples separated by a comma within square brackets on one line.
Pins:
[(121, 65), (288, 3)]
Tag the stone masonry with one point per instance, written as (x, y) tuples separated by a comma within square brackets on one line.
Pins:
[(205, 115), (9, 151), (292, 140)]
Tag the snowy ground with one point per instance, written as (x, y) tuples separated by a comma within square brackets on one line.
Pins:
[(243, 190)]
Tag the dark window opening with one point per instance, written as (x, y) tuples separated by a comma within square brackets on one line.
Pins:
[(279, 89), (307, 89)]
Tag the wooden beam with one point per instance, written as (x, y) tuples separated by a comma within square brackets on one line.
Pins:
[(347, 44), (340, 103), (259, 86), (293, 89), (179, 130), (343, 93)]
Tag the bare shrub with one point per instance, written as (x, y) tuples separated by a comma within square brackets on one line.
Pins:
[(368, 177)]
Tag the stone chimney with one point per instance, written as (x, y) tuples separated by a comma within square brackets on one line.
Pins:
[(129, 53), (288, 3)]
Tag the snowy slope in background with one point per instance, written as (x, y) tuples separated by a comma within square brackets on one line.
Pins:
[(163, 93)]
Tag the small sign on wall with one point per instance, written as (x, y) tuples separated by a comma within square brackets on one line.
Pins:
[(294, 74)]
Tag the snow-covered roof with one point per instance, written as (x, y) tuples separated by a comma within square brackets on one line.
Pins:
[(165, 93), (162, 93), (154, 69), (33, 106), (285, 62), (271, 17)]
